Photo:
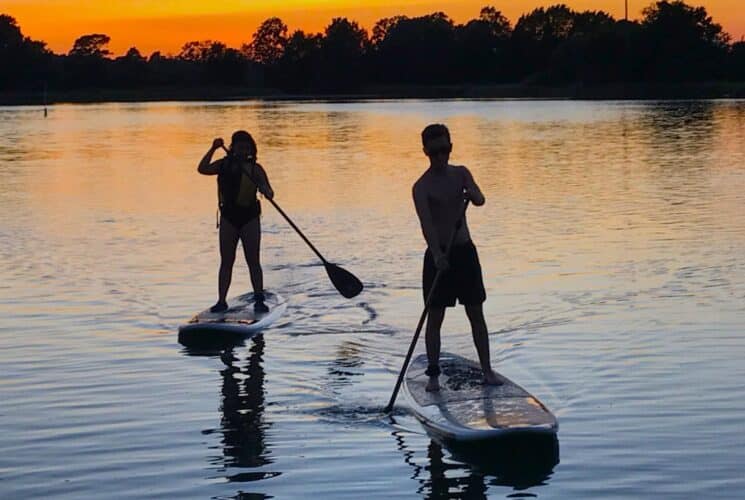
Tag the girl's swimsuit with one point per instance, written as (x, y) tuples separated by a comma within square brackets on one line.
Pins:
[(237, 195)]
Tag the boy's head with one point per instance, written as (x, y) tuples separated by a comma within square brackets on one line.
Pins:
[(242, 144), (436, 143)]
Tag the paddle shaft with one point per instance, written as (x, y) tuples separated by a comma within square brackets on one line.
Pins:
[(289, 221), (427, 304), (299, 232)]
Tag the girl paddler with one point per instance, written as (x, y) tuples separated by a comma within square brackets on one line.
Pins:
[(239, 178)]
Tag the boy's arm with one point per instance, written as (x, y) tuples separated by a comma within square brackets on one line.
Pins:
[(262, 182), (428, 225), (206, 165), (473, 192)]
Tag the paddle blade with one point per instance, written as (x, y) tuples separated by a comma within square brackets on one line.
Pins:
[(344, 281)]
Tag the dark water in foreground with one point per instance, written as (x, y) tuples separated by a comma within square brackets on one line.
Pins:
[(611, 244)]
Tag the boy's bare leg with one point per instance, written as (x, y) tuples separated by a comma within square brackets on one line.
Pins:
[(481, 341), (435, 315)]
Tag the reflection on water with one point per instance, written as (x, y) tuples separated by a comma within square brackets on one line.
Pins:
[(467, 471), (459, 472), (242, 425), (611, 244), (347, 364)]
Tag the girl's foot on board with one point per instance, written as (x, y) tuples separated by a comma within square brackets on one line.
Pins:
[(433, 385), (219, 307), (490, 378)]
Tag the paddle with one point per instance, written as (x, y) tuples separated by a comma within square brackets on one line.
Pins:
[(419, 325), (345, 282)]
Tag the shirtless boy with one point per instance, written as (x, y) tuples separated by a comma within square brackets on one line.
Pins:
[(439, 196)]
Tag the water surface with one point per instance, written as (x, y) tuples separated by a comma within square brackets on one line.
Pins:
[(611, 243)]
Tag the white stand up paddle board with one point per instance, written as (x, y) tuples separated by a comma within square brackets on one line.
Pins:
[(467, 410), (239, 320)]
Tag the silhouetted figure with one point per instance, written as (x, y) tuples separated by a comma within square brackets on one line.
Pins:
[(439, 197), (239, 178)]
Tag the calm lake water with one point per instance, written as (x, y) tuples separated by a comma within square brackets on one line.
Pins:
[(612, 247)]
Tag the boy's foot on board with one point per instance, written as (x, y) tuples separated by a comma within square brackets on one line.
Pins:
[(219, 307), (259, 306), (433, 385), (490, 378)]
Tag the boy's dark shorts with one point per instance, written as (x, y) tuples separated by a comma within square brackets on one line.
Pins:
[(462, 281)]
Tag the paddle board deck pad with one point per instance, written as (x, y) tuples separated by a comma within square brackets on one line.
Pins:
[(238, 321), (467, 410)]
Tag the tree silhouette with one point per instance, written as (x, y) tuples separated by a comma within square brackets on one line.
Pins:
[(269, 42), (201, 51), (416, 50), (134, 55), (590, 22), (683, 42), (23, 62), (214, 62), (91, 46), (300, 64), (498, 24), (382, 27), (538, 34), (342, 48), (10, 33), (86, 63), (737, 61), (130, 69), (555, 45), (482, 47), (596, 52)]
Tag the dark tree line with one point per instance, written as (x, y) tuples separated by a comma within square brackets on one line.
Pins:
[(673, 42)]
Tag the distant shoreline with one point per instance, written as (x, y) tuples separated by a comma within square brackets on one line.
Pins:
[(615, 91)]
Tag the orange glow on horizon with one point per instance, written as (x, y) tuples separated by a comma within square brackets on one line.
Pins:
[(167, 25)]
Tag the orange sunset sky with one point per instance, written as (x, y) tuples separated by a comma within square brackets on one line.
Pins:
[(166, 25)]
